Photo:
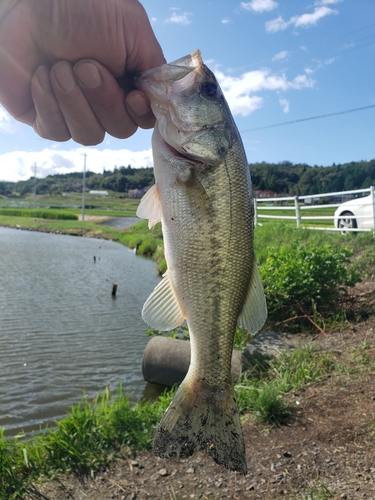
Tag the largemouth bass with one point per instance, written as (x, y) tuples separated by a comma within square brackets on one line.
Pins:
[(202, 195)]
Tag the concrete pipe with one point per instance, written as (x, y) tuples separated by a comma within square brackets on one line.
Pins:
[(166, 361)]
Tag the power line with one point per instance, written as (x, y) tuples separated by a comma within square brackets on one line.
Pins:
[(350, 32), (309, 118)]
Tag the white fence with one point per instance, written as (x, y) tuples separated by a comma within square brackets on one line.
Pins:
[(301, 203)]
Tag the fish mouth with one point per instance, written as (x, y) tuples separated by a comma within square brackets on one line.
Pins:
[(171, 72), (175, 78)]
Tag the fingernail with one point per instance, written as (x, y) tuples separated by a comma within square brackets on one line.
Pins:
[(42, 74), (88, 75), (139, 104), (64, 76)]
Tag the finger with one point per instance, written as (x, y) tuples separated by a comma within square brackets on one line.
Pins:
[(106, 98), (139, 109), (80, 119), (49, 121)]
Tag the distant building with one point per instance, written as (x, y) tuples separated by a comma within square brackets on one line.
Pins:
[(259, 193), (137, 193), (72, 186), (102, 193)]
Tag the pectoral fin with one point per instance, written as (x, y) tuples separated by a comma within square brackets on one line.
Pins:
[(161, 310), (150, 206), (254, 312)]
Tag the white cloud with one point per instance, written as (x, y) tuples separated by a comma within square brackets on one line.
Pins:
[(327, 2), (239, 91), (309, 19), (319, 64), (329, 60), (281, 55), (226, 21), (244, 104), (19, 165), (259, 5), (302, 21), (277, 24), (184, 19), (285, 104)]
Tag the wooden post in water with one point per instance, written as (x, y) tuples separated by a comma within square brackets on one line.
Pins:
[(114, 289)]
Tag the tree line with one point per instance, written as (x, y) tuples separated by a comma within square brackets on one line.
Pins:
[(120, 180), (282, 178), (302, 179)]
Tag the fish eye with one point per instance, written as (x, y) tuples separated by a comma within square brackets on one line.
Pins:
[(209, 89)]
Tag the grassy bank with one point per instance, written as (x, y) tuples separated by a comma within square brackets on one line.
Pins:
[(96, 432), (113, 202), (39, 213)]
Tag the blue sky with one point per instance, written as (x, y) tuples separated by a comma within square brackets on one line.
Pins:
[(276, 60)]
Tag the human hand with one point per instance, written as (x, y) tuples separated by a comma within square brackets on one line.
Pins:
[(66, 66)]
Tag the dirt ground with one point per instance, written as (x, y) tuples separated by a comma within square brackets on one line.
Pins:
[(328, 451)]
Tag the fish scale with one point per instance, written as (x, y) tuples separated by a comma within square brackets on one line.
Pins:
[(202, 195)]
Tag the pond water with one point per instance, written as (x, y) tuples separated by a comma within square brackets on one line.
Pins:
[(62, 334), (122, 222)]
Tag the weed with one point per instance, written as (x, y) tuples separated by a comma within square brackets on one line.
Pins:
[(92, 435), (318, 491), (260, 391), (38, 213), (263, 400), (365, 344), (302, 366), (304, 284)]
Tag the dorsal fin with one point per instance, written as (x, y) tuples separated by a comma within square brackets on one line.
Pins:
[(161, 310), (150, 206), (254, 312)]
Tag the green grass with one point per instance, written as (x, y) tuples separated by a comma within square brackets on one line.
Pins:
[(39, 213), (317, 491), (261, 390), (273, 236), (91, 436), (114, 202)]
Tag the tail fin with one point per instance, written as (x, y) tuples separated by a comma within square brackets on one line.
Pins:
[(202, 417)]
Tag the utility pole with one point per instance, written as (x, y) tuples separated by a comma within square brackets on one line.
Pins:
[(84, 186), (35, 167)]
